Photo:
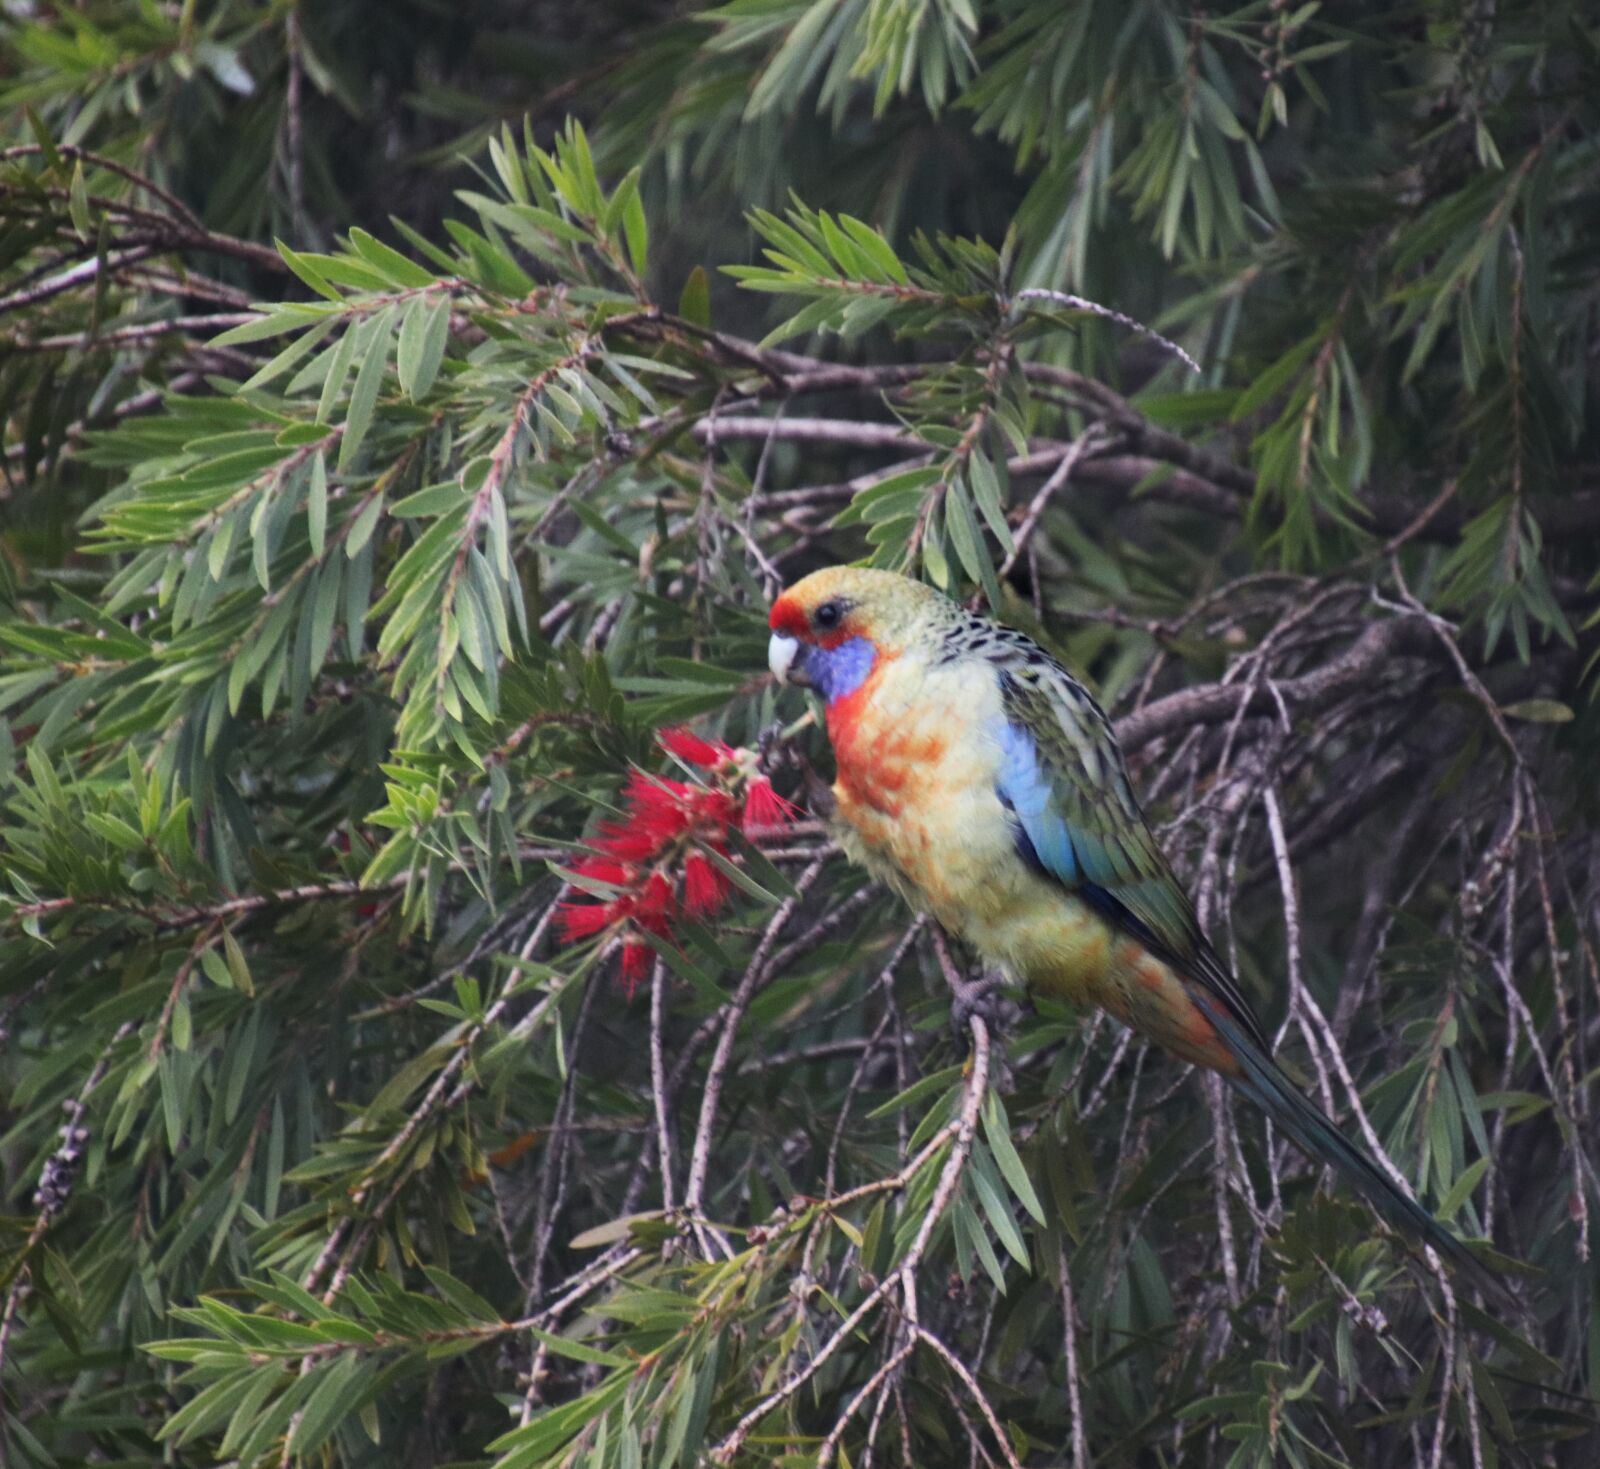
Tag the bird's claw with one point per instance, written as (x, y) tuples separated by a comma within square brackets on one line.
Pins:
[(987, 999), (772, 750)]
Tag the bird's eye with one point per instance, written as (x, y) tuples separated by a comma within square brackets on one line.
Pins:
[(828, 615)]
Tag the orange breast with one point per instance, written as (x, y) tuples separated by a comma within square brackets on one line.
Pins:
[(871, 759), (883, 775), (893, 761)]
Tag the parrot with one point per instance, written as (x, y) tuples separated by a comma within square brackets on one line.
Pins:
[(982, 782)]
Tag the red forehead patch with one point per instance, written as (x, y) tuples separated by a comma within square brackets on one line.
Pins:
[(788, 616)]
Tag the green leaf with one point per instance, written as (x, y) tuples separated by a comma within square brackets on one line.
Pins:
[(274, 322), (923, 1087), (339, 1388), (434, 500), (423, 336), (985, 485), (1462, 1188), (374, 354), (324, 609), (997, 1130), (238, 969), (876, 249), (362, 527), (1275, 378), (78, 202), (216, 969), (302, 268), (1539, 711), (637, 232), (389, 261), (694, 304), (317, 504), (341, 356), (968, 542), (296, 350), (182, 1021), (578, 1351)]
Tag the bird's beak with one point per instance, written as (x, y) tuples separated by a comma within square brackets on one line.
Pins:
[(785, 661)]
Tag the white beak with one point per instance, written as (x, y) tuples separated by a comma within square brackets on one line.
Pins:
[(781, 651)]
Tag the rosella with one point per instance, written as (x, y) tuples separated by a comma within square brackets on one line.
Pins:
[(983, 782)]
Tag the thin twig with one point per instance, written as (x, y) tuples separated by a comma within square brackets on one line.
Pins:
[(977, 1394), (1069, 1328), (658, 1081), (731, 1015), (904, 1274), (1084, 446), (1082, 303)]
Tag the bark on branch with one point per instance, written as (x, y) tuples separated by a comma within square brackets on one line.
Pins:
[(1308, 693)]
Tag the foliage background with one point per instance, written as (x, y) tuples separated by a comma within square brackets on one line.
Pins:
[(346, 579)]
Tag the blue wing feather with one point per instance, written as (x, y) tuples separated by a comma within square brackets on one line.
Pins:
[(1048, 842), (1025, 790)]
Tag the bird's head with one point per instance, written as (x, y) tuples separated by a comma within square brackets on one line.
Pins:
[(831, 628)]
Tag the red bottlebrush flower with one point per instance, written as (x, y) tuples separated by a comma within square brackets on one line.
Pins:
[(584, 920), (603, 869), (763, 806), (653, 908), (654, 794), (705, 886), (691, 749), (627, 841), (636, 963), (662, 808), (716, 809)]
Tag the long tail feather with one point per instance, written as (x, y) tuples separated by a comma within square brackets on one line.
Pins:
[(1264, 1083)]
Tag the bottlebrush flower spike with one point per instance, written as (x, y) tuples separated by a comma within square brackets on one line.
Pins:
[(691, 749), (715, 810), (763, 806), (603, 869), (647, 855), (705, 888), (662, 809), (636, 957), (655, 905), (584, 920), (627, 841)]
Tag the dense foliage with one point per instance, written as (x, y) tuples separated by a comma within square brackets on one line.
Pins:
[(419, 1047)]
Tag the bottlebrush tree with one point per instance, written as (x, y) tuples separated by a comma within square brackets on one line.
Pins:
[(436, 1029)]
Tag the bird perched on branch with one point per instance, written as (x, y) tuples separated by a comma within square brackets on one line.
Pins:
[(980, 779)]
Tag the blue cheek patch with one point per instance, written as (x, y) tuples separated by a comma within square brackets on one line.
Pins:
[(839, 671)]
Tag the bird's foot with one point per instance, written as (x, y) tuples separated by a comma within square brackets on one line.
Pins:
[(775, 753), (985, 998), (772, 749)]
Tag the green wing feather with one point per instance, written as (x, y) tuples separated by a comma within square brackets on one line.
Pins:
[(1065, 782), (1076, 807)]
